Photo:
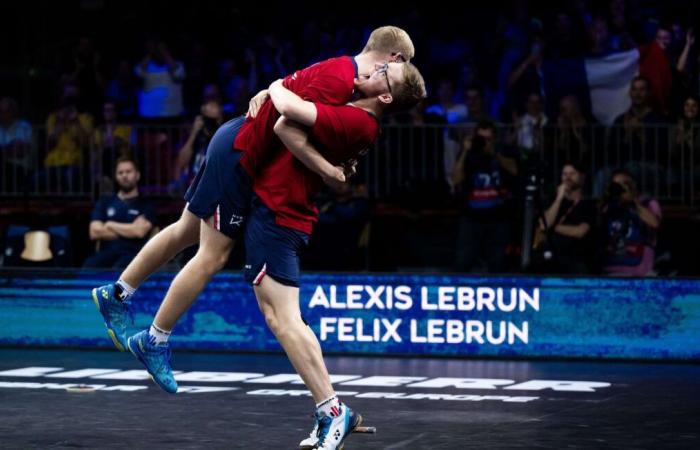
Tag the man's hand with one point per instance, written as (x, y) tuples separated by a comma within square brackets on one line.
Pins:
[(561, 191), (256, 102), (141, 221), (350, 168), (198, 124), (336, 178)]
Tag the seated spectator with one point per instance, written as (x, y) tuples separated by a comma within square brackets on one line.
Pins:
[(630, 225), (111, 140), (120, 222), (483, 177), (68, 134), (192, 154), (160, 97), (566, 228), (16, 156)]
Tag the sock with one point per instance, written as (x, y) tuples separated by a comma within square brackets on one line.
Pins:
[(329, 407), (122, 290), (160, 336)]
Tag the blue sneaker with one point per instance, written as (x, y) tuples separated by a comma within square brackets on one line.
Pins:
[(114, 312), (156, 358), (334, 429)]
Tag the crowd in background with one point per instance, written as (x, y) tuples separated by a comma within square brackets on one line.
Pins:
[(167, 83)]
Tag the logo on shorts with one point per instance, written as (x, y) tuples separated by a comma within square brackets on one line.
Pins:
[(236, 220)]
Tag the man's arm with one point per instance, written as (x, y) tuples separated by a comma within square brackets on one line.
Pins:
[(297, 141), (291, 105), (575, 231), (458, 171), (98, 231), (255, 103), (296, 112), (648, 217), (185, 153), (550, 214), (138, 229)]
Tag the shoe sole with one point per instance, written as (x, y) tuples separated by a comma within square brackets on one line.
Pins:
[(136, 354), (110, 332)]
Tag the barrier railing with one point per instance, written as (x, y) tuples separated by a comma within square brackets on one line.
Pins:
[(407, 161)]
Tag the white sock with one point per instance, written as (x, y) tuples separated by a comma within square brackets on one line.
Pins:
[(160, 336), (329, 407), (126, 290)]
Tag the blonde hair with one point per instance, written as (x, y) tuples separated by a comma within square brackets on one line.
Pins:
[(409, 92), (390, 39)]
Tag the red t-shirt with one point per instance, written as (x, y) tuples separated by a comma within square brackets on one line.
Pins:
[(330, 82), (288, 187)]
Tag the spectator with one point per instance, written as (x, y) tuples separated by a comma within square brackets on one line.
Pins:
[(121, 90), (599, 43), (655, 67), (192, 154), (526, 78), (630, 226), (68, 133), (474, 98), (121, 222), (636, 138), (568, 224), (620, 27), (160, 98), (686, 142), (529, 126), (454, 113), (87, 76), (483, 176), (573, 136), (15, 147), (111, 140)]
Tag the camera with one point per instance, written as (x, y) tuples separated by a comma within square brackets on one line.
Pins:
[(615, 190)]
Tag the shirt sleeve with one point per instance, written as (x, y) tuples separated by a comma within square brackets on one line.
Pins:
[(98, 212), (149, 212)]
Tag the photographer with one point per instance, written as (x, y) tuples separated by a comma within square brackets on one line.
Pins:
[(565, 230), (192, 154), (630, 225), (482, 177)]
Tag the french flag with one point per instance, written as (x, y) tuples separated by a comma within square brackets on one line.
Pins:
[(602, 84)]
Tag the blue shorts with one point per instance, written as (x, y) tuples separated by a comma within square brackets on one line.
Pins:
[(222, 187), (271, 249)]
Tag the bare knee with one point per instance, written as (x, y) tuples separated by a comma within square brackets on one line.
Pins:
[(186, 231), (272, 321), (210, 263)]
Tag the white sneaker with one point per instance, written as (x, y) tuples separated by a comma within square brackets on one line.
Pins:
[(310, 442), (333, 430)]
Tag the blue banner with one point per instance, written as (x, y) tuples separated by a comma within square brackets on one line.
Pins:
[(385, 314)]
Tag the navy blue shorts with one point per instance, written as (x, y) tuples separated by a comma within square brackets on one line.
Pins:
[(271, 250), (222, 187)]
